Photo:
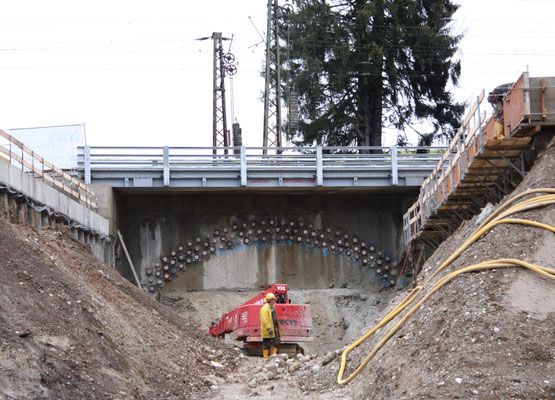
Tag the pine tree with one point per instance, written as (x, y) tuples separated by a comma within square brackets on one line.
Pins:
[(359, 65)]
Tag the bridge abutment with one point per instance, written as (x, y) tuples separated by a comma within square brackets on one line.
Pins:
[(154, 226)]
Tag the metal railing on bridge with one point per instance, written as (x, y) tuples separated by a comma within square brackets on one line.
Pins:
[(248, 166), (22, 157)]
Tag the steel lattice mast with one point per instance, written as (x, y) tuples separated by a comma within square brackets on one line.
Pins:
[(272, 92), (219, 120)]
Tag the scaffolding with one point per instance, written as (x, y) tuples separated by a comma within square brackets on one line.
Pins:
[(483, 163)]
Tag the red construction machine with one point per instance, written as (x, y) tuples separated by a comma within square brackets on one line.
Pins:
[(243, 323)]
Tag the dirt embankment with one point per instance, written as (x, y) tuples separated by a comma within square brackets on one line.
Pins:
[(72, 328), (484, 335)]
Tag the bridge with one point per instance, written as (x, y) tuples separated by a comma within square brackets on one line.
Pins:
[(253, 167)]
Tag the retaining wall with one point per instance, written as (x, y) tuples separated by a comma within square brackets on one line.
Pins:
[(26, 199), (154, 226)]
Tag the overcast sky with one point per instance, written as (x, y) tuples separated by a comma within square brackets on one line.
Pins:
[(134, 74)]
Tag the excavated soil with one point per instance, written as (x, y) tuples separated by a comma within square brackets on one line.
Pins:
[(72, 328)]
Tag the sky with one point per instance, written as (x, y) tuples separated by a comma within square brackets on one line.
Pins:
[(134, 74)]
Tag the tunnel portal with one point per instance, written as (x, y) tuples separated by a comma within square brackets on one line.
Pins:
[(232, 241)]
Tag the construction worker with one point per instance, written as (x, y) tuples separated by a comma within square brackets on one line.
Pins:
[(269, 327), (495, 98)]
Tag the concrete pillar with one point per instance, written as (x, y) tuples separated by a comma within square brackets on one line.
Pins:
[(75, 233), (4, 205), (109, 253), (98, 248), (93, 245), (22, 213), (106, 204), (12, 209), (81, 235), (44, 219), (33, 217)]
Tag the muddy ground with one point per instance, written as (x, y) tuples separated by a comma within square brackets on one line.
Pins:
[(72, 328)]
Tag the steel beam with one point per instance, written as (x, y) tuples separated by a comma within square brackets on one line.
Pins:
[(522, 173)]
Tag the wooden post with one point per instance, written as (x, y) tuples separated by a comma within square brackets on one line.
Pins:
[(129, 259)]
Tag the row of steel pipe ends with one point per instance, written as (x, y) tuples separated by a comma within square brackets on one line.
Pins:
[(253, 231)]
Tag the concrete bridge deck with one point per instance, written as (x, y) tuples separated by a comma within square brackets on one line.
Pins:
[(251, 167)]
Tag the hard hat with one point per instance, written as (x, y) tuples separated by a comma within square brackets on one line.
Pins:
[(270, 296)]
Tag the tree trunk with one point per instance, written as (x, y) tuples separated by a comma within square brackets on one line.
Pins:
[(369, 127), (375, 112), (370, 89)]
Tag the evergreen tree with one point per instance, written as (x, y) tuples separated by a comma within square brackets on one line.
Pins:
[(358, 65)]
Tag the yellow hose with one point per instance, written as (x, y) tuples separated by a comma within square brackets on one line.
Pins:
[(495, 219), (536, 202), (514, 198), (501, 263)]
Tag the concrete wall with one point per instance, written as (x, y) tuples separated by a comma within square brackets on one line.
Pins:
[(39, 193), (46, 195), (153, 226), (106, 205)]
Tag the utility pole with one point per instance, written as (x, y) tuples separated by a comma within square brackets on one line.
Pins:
[(223, 64), (219, 118), (272, 90)]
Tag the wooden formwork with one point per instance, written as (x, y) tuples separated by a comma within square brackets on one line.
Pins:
[(479, 167), (529, 106)]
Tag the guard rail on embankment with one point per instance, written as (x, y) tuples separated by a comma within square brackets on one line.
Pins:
[(480, 165), (25, 159), (210, 167)]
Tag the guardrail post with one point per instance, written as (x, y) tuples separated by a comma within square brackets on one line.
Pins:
[(166, 166), (243, 161), (480, 126), (319, 167), (394, 167), (87, 155)]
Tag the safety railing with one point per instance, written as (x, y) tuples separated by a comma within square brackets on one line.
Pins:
[(516, 105), (243, 159), (526, 108), (22, 157), (451, 168)]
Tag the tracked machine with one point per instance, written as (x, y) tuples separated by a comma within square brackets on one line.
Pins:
[(243, 323)]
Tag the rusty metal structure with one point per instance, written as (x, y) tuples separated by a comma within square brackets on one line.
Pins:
[(483, 163)]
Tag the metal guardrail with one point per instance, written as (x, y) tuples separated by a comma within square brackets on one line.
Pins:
[(246, 160), (22, 157)]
